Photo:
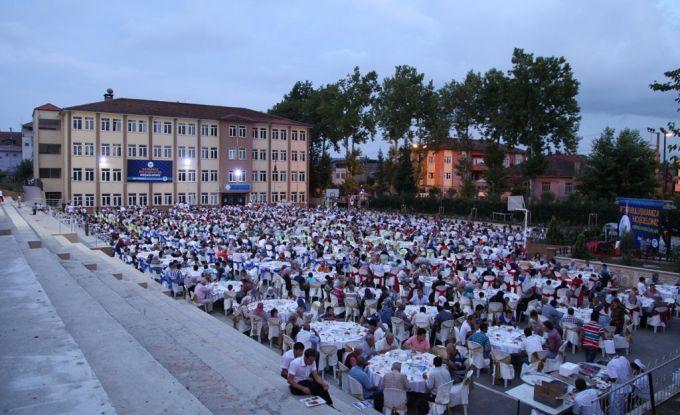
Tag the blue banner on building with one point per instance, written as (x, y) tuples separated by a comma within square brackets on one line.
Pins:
[(149, 171), (643, 218)]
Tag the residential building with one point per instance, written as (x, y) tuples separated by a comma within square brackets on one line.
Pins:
[(369, 168), (560, 177), (27, 141), (123, 151), (10, 150), (438, 166)]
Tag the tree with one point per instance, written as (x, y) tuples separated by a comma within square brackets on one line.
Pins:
[(673, 84), (495, 174), (24, 170), (554, 234), (461, 101), (468, 189), (626, 247), (621, 166), (382, 179), (404, 182), (580, 250)]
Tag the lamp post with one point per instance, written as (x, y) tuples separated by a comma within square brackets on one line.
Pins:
[(666, 134)]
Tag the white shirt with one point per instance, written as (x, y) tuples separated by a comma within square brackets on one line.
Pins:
[(641, 287), (619, 369), (533, 343), (586, 403), (418, 300), (382, 345), (437, 377), (286, 359), (464, 330), (421, 318), (300, 370)]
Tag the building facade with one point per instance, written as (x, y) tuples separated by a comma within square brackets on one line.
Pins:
[(10, 150), (438, 166), (140, 152), (27, 141), (369, 168), (559, 179)]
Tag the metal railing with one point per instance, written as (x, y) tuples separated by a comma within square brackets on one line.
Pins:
[(646, 391)]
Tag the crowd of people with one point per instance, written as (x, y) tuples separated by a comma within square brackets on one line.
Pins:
[(376, 266)]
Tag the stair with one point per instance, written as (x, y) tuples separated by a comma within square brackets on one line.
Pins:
[(221, 369)]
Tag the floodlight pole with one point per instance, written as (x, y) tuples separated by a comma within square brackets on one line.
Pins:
[(526, 223)]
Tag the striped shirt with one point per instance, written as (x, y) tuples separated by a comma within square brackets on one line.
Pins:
[(591, 334)]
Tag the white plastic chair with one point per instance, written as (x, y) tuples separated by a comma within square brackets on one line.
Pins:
[(355, 388), (177, 289), (328, 357), (476, 356), (495, 311), (315, 291), (335, 303), (399, 329), (553, 365), (344, 374), (655, 321), (502, 368), (273, 329), (444, 332), (394, 400), (570, 333), (351, 308), (255, 326), (229, 299), (442, 399), (460, 393), (288, 343)]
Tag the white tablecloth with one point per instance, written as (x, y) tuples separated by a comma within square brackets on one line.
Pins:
[(505, 338), (284, 307), (412, 310), (582, 313), (217, 289), (339, 333), (412, 365)]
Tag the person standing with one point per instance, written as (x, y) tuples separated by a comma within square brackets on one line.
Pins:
[(303, 378), (592, 333)]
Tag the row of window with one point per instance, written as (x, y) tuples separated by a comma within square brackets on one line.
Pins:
[(141, 126), (160, 199), (278, 176)]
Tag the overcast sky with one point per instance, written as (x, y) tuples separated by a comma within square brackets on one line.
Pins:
[(249, 53)]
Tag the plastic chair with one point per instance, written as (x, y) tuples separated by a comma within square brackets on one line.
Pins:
[(502, 368), (355, 388), (394, 400), (351, 308), (177, 289), (344, 374), (476, 356), (288, 343), (442, 399), (459, 394), (495, 311), (273, 329), (570, 333), (256, 324), (328, 357), (444, 332), (656, 322), (399, 329)]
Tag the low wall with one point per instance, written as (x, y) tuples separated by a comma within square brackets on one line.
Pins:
[(629, 276), (105, 249)]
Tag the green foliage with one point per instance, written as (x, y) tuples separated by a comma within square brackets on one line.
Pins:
[(495, 174), (554, 234), (673, 84), (547, 197), (617, 167), (24, 170), (468, 189), (580, 250), (462, 103), (626, 247), (404, 181)]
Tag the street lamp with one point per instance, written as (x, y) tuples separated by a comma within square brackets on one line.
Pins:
[(666, 134)]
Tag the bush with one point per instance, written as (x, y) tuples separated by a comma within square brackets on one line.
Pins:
[(580, 250), (554, 234), (547, 197), (626, 247)]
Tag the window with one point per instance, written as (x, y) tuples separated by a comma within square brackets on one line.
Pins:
[(478, 161), (142, 199), (430, 175), (47, 173), (303, 156), (191, 175), (275, 134), (105, 175), (132, 126), (263, 175), (275, 197), (132, 199), (106, 199), (263, 133), (77, 149), (255, 175), (284, 155), (157, 151), (205, 129), (49, 148), (302, 197), (232, 131), (303, 136), (181, 152), (301, 176), (89, 200), (254, 132), (167, 198), (167, 152), (117, 122), (294, 135), (506, 161), (263, 154), (106, 150), (77, 123), (204, 153), (568, 188), (275, 155), (89, 123), (255, 153), (191, 198), (141, 126), (447, 175), (157, 127), (293, 197), (89, 149), (117, 199), (213, 153), (447, 159), (167, 127), (132, 150), (182, 128), (241, 153), (293, 176), (191, 129), (77, 174), (205, 176), (182, 176), (89, 175), (241, 130), (106, 124), (275, 176), (253, 197), (77, 199), (213, 198), (283, 176), (182, 197), (142, 151), (232, 154), (213, 130), (545, 187), (284, 134), (157, 199), (262, 197), (282, 196), (213, 175), (293, 155), (204, 198), (116, 150), (192, 152), (116, 175)]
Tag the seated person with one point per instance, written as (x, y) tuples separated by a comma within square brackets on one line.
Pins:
[(454, 361), (304, 379), (508, 318), (369, 390), (386, 344), (418, 343), (481, 338), (289, 356)]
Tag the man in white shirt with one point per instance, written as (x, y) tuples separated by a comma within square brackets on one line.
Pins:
[(641, 287), (289, 356), (386, 344), (304, 379), (437, 377), (421, 318), (465, 329), (532, 343), (419, 298), (619, 372), (585, 400)]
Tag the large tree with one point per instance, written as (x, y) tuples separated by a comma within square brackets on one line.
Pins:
[(619, 166), (673, 84), (495, 174)]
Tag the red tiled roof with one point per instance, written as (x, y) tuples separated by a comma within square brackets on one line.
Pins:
[(181, 110), (48, 107), (11, 138)]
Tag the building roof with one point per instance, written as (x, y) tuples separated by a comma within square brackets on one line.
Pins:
[(28, 125), (559, 165), (48, 107), (181, 110), (475, 145), (10, 138)]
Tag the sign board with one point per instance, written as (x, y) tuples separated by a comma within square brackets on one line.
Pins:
[(641, 217), (156, 171), (515, 203), (234, 187), (332, 192)]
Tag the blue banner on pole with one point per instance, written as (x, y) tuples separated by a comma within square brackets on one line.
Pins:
[(149, 171), (642, 217)]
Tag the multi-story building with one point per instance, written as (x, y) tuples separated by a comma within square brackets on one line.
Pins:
[(10, 150), (369, 168), (559, 179), (140, 152), (27, 141), (438, 166)]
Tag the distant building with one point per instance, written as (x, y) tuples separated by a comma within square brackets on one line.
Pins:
[(10, 150), (560, 177), (27, 141), (439, 165), (339, 171)]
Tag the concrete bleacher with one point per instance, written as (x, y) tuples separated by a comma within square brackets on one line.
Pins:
[(148, 352)]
